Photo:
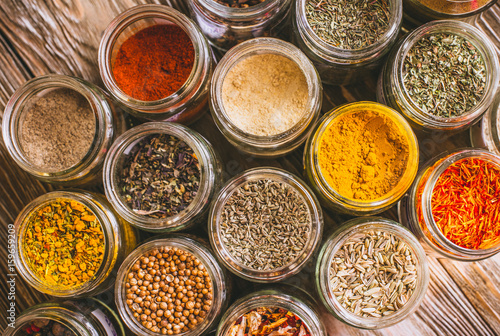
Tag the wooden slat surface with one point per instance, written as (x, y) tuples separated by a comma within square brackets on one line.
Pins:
[(61, 36)]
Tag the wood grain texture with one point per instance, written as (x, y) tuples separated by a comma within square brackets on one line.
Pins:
[(62, 36)]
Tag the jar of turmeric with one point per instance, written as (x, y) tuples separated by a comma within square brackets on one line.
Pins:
[(361, 158)]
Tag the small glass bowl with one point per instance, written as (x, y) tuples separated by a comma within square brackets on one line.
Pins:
[(189, 102), (220, 283), (274, 145), (210, 176), (486, 134), (119, 239), (109, 125), (214, 224), (331, 198), (425, 228), (336, 241)]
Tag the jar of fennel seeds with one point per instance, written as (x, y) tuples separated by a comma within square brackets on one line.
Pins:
[(372, 273), (71, 243), (283, 307), (486, 134), (228, 22), (265, 224), (161, 176), (361, 158), (170, 286), (343, 55), (85, 317), (447, 223), (58, 129), (157, 64), (265, 97), (443, 76)]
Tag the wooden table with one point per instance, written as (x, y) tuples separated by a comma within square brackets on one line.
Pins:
[(62, 36)]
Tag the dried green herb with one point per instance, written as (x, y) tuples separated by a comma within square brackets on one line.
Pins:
[(160, 176), (348, 24), (444, 74)]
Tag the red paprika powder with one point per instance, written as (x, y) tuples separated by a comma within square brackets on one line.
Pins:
[(154, 63)]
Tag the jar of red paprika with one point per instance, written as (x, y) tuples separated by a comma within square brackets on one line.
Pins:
[(156, 62)]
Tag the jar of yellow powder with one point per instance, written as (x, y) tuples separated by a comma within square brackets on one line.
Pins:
[(361, 158)]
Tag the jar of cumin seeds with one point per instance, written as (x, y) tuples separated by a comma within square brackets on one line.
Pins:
[(189, 101), (22, 137), (86, 317)]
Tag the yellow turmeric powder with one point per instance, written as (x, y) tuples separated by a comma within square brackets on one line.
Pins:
[(363, 155)]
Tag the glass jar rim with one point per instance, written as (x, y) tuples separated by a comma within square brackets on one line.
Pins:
[(340, 55), (107, 227), (480, 41), (282, 176), (494, 117), (130, 17), (335, 242), (130, 139), (256, 46), (411, 167), (231, 13), (188, 244)]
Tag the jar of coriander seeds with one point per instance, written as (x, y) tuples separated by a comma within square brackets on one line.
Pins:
[(265, 97), (486, 134), (322, 29), (171, 285), (174, 64), (227, 22), (71, 243), (265, 224), (85, 317), (446, 223), (58, 129), (161, 176), (443, 76), (387, 265)]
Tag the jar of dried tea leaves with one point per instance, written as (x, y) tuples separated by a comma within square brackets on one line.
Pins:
[(389, 269)]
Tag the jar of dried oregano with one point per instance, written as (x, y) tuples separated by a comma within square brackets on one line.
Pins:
[(388, 267), (71, 243)]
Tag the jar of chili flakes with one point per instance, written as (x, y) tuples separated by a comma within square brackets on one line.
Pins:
[(69, 243), (157, 64)]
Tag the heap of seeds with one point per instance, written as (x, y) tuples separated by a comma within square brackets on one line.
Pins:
[(169, 291), (265, 225), (374, 274)]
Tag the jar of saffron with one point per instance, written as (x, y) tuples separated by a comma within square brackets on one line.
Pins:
[(156, 62), (453, 205)]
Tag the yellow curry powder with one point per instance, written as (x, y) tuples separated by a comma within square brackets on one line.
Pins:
[(363, 155)]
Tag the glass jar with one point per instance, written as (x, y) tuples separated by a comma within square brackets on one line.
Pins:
[(418, 12), (86, 317), (119, 239), (486, 134), (189, 102), (210, 176), (331, 198), (197, 247), (392, 92), (109, 125), (273, 145), (217, 241), (339, 66), (289, 298), (337, 240), (225, 27), (425, 228)]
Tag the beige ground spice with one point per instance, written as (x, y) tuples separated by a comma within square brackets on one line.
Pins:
[(265, 94)]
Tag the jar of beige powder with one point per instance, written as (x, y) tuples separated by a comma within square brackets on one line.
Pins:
[(265, 97)]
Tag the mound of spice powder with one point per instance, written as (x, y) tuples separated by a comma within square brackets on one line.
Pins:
[(160, 176), (466, 203), (454, 6), (154, 63), (63, 243), (269, 321), (169, 291)]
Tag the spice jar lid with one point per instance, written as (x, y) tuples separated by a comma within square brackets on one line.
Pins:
[(400, 258), (292, 226), (183, 172)]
